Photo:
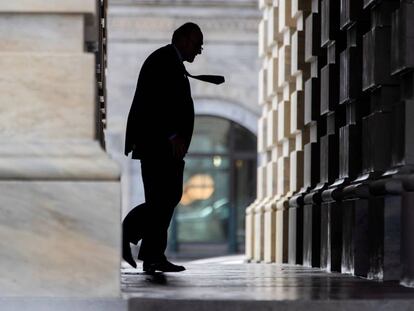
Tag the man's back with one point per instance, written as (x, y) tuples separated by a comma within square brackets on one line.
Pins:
[(162, 105)]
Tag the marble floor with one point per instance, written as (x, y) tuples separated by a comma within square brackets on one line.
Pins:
[(229, 283)]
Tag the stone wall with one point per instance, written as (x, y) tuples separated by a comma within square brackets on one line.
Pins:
[(336, 90), (60, 194)]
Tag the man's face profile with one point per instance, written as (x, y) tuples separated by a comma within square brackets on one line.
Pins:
[(193, 46)]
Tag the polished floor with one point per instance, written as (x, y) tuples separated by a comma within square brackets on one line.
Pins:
[(230, 283)]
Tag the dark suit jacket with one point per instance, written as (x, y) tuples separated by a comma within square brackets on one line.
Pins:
[(162, 106)]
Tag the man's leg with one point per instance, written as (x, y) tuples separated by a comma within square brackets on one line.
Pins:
[(132, 231), (163, 185), (133, 224)]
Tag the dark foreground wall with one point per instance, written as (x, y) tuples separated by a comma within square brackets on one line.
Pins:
[(357, 203)]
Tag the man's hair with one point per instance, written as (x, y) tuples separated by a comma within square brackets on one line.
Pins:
[(185, 31)]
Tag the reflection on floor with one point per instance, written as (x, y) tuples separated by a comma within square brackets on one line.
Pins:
[(229, 283)]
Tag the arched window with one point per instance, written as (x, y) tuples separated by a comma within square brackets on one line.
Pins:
[(219, 183)]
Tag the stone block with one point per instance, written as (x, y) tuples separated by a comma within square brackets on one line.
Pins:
[(350, 75), (347, 261), (272, 78), (262, 134), (60, 160), (312, 100), (264, 3), (262, 92), (333, 121), (311, 164), (331, 236), (298, 52), (329, 21), (41, 33), (272, 127), (271, 182), (349, 12), (325, 237), (329, 88), (55, 99), (376, 58), (312, 37), (60, 238), (407, 247), (402, 38), (282, 232), (259, 233), (296, 235), (272, 26), (283, 178), (270, 233), (384, 98), (297, 112), (403, 133), (311, 235), (261, 181), (47, 6), (262, 44), (384, 237), (250, 232), (329, 158), (349, 151), (285, 17), (284, 64), (300, 6), (296, 170), (355, 237), (376, 144), (283, 121)]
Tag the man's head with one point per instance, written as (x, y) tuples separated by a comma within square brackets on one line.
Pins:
[(188, 39)]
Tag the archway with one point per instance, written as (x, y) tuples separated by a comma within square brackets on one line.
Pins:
[(219, 182)]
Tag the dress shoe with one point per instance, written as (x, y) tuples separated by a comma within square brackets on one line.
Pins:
[(126, 253), (163, 266)]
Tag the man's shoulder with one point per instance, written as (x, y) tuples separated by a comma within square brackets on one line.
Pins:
[(162, 60), (164, 52)]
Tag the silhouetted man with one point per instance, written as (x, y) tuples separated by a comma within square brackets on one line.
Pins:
[(159, 129)]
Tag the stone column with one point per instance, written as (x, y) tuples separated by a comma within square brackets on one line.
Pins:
[(60, 206), (282, 135), (260, 214)]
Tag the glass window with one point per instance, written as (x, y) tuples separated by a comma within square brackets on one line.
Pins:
[(219, 183), (243, 139), (202, 214), (211, 135)]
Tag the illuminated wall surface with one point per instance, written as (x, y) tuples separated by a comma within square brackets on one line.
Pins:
[(336, 137)]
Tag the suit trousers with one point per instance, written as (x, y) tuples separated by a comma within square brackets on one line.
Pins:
[(163, 187)]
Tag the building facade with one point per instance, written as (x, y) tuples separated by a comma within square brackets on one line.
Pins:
[(335, 137)]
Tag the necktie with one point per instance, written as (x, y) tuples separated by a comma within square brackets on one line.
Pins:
[(207, 78)]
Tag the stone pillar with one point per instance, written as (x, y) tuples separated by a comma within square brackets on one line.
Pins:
[(402, 68), (355, 137), (282, 134), (381, 91), (60, 206), (260, 215)]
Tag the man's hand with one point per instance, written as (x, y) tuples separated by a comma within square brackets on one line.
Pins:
[(178, 147)]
